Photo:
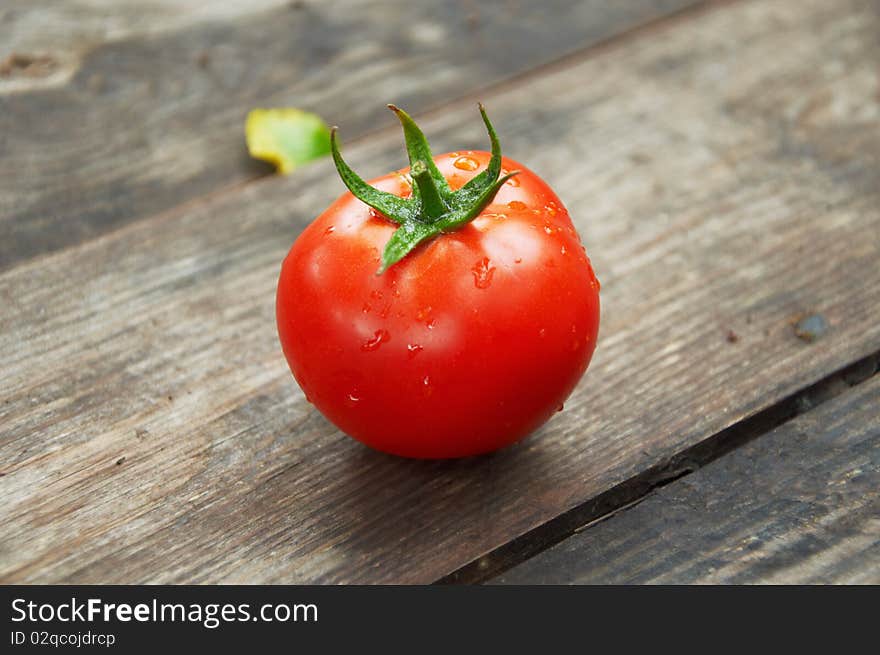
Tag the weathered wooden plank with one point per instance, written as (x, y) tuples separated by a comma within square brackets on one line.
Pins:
[(721, 171), (98, 134), (68, 29), (800, 505)]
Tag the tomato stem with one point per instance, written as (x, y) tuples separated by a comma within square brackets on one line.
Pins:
[(433, 208)]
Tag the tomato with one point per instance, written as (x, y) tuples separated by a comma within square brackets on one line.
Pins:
[(466, 343)]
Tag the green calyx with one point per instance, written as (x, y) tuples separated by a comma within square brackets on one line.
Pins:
[(433, 208)]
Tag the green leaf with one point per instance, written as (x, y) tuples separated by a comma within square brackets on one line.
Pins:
[(286, 137)]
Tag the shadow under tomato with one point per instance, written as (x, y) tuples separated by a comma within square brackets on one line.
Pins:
[(411, 520)]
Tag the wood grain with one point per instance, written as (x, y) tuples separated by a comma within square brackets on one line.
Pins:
[(800, 505), (721, 171), (139, 107), (69, 29)]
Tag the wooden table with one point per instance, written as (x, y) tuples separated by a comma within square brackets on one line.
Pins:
[(721, 161)]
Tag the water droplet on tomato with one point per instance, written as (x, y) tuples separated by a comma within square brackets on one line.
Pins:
[(330, 229), (548, 229), (466, 164), (517, 205), (560, 407), (562, 250), (512, 181), (518, 260), (366, 308), (378, 338), (483, 271), (353, 397), (413, 349), (430, 324), (426, 386), (542, 333)]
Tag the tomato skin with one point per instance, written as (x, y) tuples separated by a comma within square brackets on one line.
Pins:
[(468, 344)]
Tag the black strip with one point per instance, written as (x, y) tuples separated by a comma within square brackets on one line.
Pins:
[(633, 491)]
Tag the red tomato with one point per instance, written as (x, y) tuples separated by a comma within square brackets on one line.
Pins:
[(467, 344)]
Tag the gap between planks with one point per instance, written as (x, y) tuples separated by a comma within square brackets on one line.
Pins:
[(631, 492)]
